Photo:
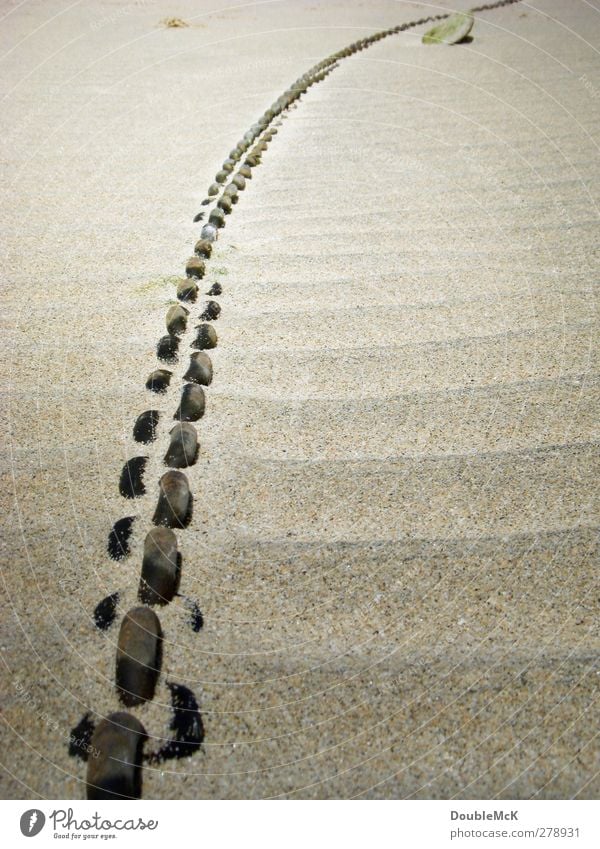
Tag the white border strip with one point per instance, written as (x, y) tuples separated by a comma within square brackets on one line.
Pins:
[(306, 824)]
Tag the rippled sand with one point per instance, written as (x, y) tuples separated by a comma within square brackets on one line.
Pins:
[(394, 541)]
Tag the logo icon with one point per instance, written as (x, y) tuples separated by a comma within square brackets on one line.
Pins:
[(32, 822)]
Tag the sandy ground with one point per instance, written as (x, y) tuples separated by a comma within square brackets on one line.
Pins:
[(394, 541)]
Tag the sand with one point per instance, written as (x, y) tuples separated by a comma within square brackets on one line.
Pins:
[(394, 541)]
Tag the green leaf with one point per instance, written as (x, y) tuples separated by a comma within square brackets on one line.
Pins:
[(450, 31)]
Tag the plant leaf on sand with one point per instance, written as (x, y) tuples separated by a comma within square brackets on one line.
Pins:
[(451, 31), (174, 23)]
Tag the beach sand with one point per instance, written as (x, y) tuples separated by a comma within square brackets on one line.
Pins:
[(394, 540)]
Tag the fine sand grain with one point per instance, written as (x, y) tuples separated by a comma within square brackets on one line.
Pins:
[(394, 537)]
